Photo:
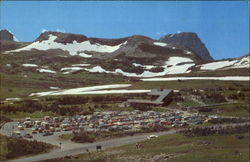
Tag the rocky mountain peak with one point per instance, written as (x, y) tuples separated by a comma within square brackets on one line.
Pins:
[(189, 40), (135, 39), (6, 35), (63, 38)]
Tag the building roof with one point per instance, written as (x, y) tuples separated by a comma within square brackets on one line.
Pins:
[(162, 93), (144, 101)]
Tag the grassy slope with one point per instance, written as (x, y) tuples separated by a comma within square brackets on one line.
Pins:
[(36, 114), (16, 85), (235, 109), (221, 148), (187, 84)]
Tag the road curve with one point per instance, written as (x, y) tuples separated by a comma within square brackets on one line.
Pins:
[(91, 147)]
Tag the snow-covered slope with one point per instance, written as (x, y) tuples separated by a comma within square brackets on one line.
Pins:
[(174, 65), (242, 62), (74, 48)]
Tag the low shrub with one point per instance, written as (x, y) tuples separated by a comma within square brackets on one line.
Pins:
[(83, 137), (21, 147)]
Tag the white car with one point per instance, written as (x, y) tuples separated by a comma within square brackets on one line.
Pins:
[(152, 136), (20, 127)]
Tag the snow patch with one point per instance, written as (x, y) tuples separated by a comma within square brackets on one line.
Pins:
[(225, 78), (160, 44), (46, 71), (74, 48), (29, 65), (80, 90), (15, 39), (144, 66), (68, 70), (54, 88), (97, 69), (188, 52), (81, 65), (13, 99), (177, 60), (116, 91)]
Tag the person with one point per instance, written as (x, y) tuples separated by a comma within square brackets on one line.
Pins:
[(137, 145)]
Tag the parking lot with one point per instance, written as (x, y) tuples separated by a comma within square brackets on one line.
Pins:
[(49, 127)]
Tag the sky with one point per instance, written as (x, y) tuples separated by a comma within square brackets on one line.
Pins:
[(222, 26)]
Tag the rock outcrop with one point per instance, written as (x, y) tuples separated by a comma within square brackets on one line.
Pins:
[(189, 40)]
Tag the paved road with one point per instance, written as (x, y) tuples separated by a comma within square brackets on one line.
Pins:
[(91, 146)]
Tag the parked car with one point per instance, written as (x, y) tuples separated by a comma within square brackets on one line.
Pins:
[(48, 133), (152, 136), (58, 130), (34, 132), (27, 135), (40, 130), (16, 134)]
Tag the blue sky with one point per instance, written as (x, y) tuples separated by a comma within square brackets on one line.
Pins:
[(222, 26)]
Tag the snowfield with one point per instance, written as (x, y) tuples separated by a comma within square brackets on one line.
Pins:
[(243, 62), (171, 67), (160, 44), (74, 48), (46, 71), (29, 65), (225, 78), (217, 65), (83, 90)]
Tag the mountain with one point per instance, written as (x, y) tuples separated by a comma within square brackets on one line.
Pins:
[(9, 42), (130, 56), (6, 35), (134, 56), (189, 40)]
